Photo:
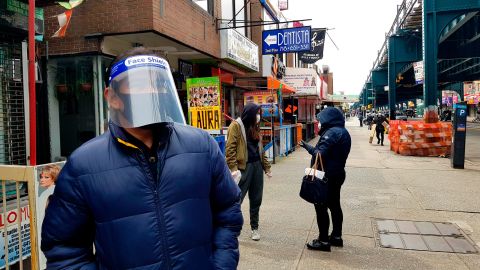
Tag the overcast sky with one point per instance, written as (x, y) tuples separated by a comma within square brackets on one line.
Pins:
[(360, 28)]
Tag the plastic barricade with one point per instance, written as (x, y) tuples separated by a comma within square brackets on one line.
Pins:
[(417, 138)]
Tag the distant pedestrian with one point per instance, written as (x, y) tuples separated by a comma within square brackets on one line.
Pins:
[(360, 118), (380, 121), (244, 154), (334, 146)]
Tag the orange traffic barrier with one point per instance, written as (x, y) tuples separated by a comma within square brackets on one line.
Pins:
[(417, 138)]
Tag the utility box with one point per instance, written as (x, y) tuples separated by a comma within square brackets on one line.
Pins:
[(459, 135)]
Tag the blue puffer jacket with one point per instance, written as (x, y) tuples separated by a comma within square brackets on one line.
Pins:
[(334, 144), (187, 218)]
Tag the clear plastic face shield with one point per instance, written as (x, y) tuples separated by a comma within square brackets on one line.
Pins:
[(142, 92)]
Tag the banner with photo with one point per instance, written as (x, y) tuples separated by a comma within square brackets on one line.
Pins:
[(283, 5), (45, 179), (317, 37), (268, 102), (204, 107)]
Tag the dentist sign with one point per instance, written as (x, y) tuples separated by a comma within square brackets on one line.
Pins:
[(288, 40)]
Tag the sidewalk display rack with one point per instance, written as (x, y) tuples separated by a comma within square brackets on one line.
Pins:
[(417, 138)]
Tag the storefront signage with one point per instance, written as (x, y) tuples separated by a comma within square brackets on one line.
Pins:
[(317, 45), (13, 234), (304, 80), (238, 49), (267, 100), (283, 5), (286, 40), (18, 17), (471, 92), (419, 72), (204, 110)]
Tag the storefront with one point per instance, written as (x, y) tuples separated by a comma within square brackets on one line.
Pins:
[(471, 92), (77, 110), (310, 90)]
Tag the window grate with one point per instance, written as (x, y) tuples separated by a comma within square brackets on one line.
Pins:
[(12, 113)]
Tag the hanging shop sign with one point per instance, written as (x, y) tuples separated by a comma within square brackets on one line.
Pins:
[(17, 17), (419, 72), (283, 5), (268, 101), (204, 110), (316, 50), (286, 40), (305, 81), (185, 69), (238, 49)]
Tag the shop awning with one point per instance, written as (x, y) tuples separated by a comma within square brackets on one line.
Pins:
[(273, 83)]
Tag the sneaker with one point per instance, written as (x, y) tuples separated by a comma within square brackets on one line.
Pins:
[(336, 241), (318, 245), (255, 235)]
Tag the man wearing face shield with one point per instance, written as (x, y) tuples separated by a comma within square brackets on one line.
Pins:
[(151, 193)]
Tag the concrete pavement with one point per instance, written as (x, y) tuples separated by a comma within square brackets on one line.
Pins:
[(379, 184)]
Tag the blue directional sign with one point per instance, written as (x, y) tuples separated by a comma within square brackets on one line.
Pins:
[(286, 40)]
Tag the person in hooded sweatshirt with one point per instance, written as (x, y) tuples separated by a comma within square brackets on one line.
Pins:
[(334, 146), (245, 156)]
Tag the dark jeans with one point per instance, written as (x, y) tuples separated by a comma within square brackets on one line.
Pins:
[(252, 182), (361, 122), (335, 183), (380, 135)]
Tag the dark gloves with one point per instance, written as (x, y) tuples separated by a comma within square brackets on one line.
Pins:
[(307, 146)]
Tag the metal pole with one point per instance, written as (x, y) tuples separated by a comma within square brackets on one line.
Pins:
[(273, 130), (31, 82)]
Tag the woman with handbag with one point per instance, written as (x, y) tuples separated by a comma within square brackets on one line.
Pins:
[(332, 149), (245, 157)]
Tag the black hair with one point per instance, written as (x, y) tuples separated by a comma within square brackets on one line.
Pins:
[(132, 52)]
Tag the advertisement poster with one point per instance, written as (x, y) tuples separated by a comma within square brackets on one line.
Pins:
[(283, 5), (204, 110), (419, 72), (305, 80), (45, 178), (268, 102), (13, 233)]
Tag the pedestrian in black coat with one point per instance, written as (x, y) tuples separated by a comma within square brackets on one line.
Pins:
[(334, 146)]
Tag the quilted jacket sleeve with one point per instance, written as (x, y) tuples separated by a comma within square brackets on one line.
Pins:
[(68, 227), (227, 215)]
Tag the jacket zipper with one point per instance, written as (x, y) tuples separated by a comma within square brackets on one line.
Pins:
[(158, 206)]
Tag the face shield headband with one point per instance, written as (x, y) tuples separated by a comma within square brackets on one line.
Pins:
[(142, 92)]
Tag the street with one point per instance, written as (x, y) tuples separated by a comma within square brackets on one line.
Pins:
[(379, 185)]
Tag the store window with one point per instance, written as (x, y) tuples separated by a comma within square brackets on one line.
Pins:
[(236, 13), (206, 5), (71, 83)]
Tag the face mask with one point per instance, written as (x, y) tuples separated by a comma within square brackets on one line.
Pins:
[(258, 118)]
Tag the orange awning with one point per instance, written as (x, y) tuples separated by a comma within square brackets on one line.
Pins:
[(274, 84)]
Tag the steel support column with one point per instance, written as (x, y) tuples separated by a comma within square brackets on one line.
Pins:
[(437, 14), (402, 50)]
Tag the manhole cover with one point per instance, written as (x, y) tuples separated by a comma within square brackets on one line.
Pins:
[(422, 235)]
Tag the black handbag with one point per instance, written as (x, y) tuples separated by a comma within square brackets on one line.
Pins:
[(314, 190)]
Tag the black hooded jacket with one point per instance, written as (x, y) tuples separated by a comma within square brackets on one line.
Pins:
[(249, 118), (334, 144)]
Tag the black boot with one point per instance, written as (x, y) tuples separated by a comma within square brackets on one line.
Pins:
[(317, 245), (336, 241)]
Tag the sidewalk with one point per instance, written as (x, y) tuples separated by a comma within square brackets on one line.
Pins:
[(379, 185)]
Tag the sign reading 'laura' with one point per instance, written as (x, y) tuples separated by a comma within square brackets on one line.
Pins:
[(204, 103)]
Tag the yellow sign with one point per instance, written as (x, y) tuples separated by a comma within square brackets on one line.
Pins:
[(207, 118), (204, 109)]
